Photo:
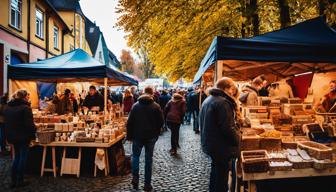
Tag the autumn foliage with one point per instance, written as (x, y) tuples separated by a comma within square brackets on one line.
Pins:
[(177, 33)]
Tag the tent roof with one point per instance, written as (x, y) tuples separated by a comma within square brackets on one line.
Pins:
[(312, 41), (73, 66)]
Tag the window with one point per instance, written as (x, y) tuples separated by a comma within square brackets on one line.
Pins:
[(39, 23), (100, 56), (16, 13), (56, 37)]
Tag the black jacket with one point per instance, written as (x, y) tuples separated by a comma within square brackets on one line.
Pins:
[(93, 101), (164, 99), (145, 120), (19, 124), (194, 100), (219, 132)]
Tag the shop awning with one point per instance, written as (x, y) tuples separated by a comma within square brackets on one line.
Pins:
[(312, 41), (74, 66)]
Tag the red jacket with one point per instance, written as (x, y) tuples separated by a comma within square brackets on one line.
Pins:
[(128, 103), (175, 109)]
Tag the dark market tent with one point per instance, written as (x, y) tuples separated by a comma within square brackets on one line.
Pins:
[(307, 46), (74, 66)]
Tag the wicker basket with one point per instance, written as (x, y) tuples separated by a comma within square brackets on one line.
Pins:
[(316, 150), (301, 164), (255, 161), (250, 143), (324, 164), (280, 168), (46, 137), (270, 144), (289, 145)]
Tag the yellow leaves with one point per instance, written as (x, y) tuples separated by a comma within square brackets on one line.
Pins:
[(177, 34)]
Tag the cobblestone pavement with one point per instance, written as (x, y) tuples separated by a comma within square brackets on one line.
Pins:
[(188, 171)]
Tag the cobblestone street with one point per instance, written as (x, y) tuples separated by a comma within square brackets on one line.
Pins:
[(188, 171)]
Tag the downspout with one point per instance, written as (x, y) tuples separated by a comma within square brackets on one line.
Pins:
[(63, 34), (47, 34), (74, 28), (29, 33)]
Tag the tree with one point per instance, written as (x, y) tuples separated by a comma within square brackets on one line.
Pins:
[(127, 61), (175, 35), (146, 66)]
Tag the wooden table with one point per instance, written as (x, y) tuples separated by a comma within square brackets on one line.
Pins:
[(71, 165), (251, 178)]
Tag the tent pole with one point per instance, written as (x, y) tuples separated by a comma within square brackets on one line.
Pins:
[(105, 95), (10, 88)]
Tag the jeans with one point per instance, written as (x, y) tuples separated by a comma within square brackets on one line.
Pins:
[(233, 174), (195, 117), (2, 138), (19, 163), (149, 149), (219, 174), (175, 134), (187, 117)]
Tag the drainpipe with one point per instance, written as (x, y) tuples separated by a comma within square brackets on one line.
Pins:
[(47, 34), (29, 33)]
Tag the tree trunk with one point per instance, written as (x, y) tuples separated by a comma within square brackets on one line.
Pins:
[(284, 13), (255, 16), (322, 6)]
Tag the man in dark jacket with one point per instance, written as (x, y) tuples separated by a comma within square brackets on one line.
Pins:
[(143, 128), (188, 103), (19, 130), (219, 132), (94, 99), (195, 107)]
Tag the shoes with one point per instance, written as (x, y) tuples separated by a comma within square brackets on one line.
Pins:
[(135, 183), (148, 188), (173, 152), (197, 131)]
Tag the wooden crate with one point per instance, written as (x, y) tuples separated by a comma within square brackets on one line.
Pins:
[(316, 150), (289, 108), (270, 144), (250, 143), (255, 161)]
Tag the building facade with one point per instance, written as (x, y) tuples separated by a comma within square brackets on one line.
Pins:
[(32, 30)]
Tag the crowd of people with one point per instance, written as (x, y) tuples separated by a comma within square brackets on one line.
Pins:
[(215, 114)]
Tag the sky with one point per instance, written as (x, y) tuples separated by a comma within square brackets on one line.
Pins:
[(103, 12)]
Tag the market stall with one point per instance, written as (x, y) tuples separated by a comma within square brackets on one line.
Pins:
[(282, 137), (87, 129)]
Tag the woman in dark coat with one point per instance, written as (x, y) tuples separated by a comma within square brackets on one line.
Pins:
[(174, 114), (19, 130)]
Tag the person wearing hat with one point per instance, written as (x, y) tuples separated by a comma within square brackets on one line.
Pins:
[(94, 99)]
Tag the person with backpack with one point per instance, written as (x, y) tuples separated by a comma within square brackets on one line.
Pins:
[(174, 113), (249, 95)]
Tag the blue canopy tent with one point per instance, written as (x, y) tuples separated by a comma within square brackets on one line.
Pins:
[(74, 66), (307, 46)]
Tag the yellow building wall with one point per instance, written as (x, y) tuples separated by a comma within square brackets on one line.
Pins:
[(68, 42), (69, 18), (4, 17), (33, 37), (53, 22)]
